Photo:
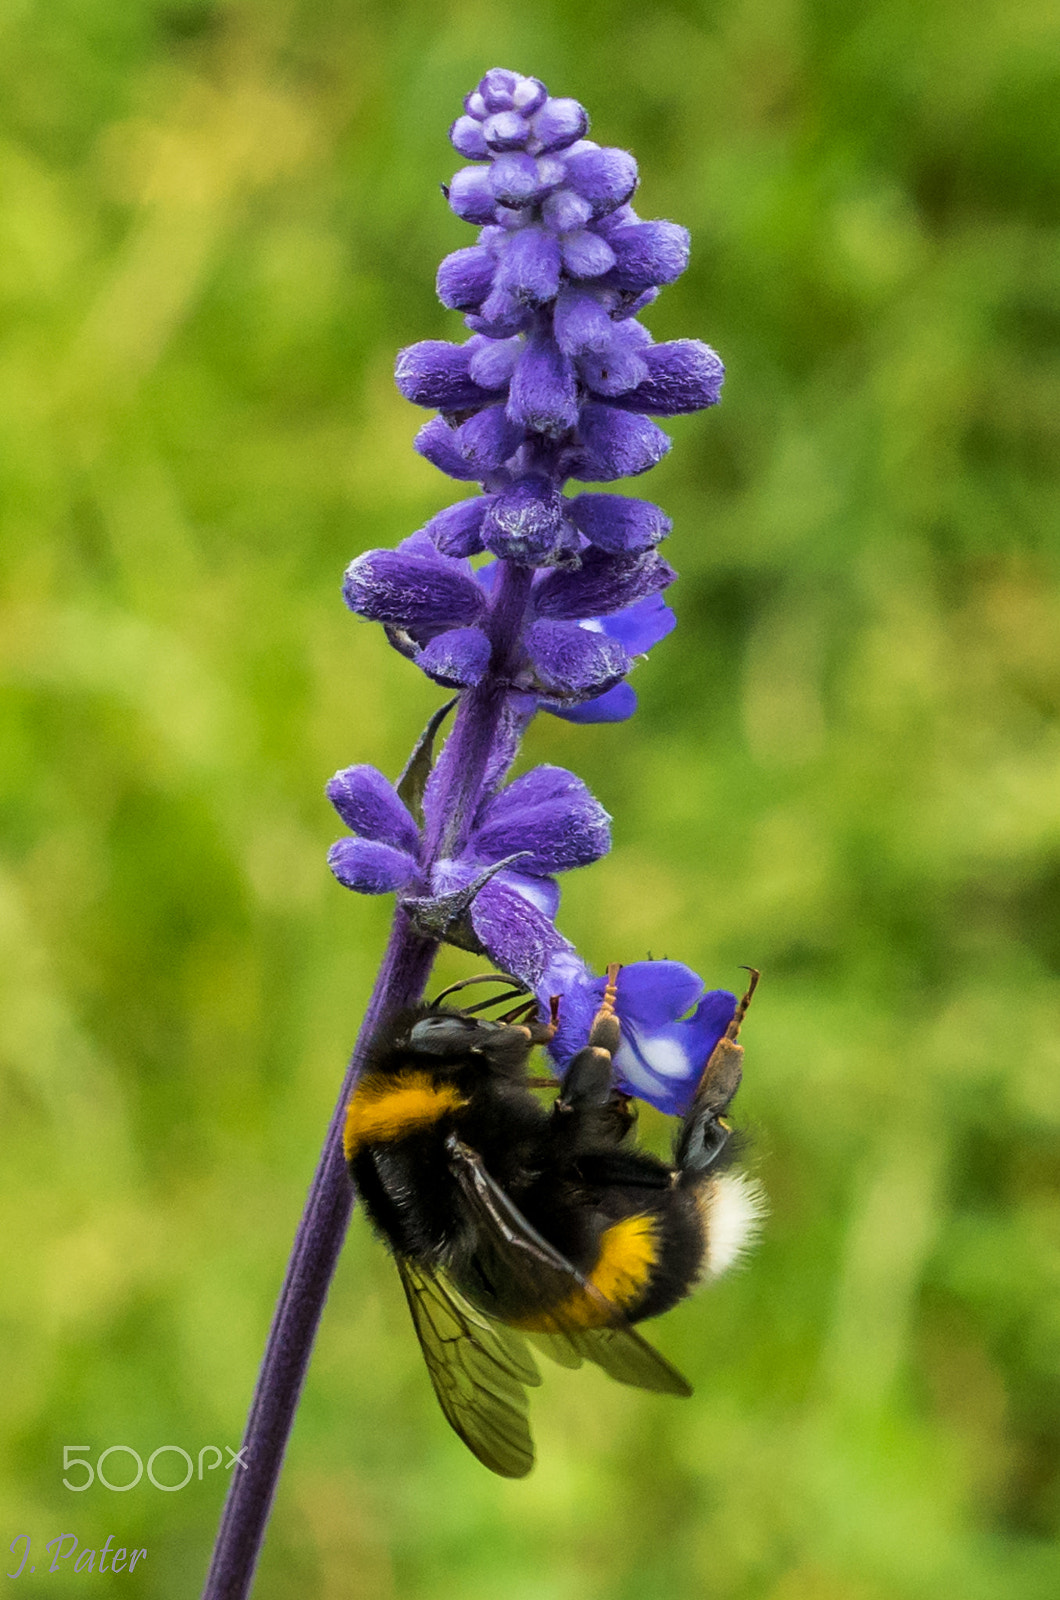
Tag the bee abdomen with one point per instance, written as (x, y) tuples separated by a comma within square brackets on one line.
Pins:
[(626, 1261), (383, 1109)]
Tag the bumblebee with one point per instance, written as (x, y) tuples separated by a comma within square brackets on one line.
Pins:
[(516, 1225)]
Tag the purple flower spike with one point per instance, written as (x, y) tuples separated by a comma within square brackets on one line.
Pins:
[(557, 383), (560, 378)]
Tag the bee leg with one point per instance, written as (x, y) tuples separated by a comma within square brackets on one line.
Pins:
[(704, 1132), (702, 1139), (542, 1032), (587, 1080), (605, 1033)]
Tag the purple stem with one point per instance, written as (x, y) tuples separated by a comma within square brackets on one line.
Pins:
[(402, 976), (406, 967)]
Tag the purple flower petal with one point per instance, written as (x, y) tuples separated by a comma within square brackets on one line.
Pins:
[(369, 806), (647, 254), (617, 444), (493, 360), (500, 316), (544, 396), (617, 705), (549, 812), (529, 95), (633, 307), (514, 179), (655, 993), (581, 322), (506, 130), (606, 178), (542, 893), (604, 583), (470, 195), (617, 523), (370, 868), (568, 977), (622, 366), (523, 521), (487, 439), (641, 626), (565, 212), (435, 373), (518, 937), (574, 663), (559, 123), (439, 444), (394, 587), (663, 1052), (497, 89), (585, 254), (465, 277), (457, 658), (529, 269), (663, 1063), (457, 531), (468, 139), (682, 376)]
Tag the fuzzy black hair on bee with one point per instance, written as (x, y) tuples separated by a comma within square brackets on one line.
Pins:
[(516, 1224)]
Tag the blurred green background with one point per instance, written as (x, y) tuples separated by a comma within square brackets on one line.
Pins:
[(218, 223)]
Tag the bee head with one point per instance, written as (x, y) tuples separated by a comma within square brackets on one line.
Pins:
[(448, 1033)]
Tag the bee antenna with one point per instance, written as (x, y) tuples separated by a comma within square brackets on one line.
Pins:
[(515, 987), (519, 1013)]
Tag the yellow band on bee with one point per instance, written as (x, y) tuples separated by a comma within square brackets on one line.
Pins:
[(628, 1252), (384, 1109)]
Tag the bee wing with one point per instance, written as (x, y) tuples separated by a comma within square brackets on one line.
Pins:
[(478, 1368), (622, 1353), (511, 1248)]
